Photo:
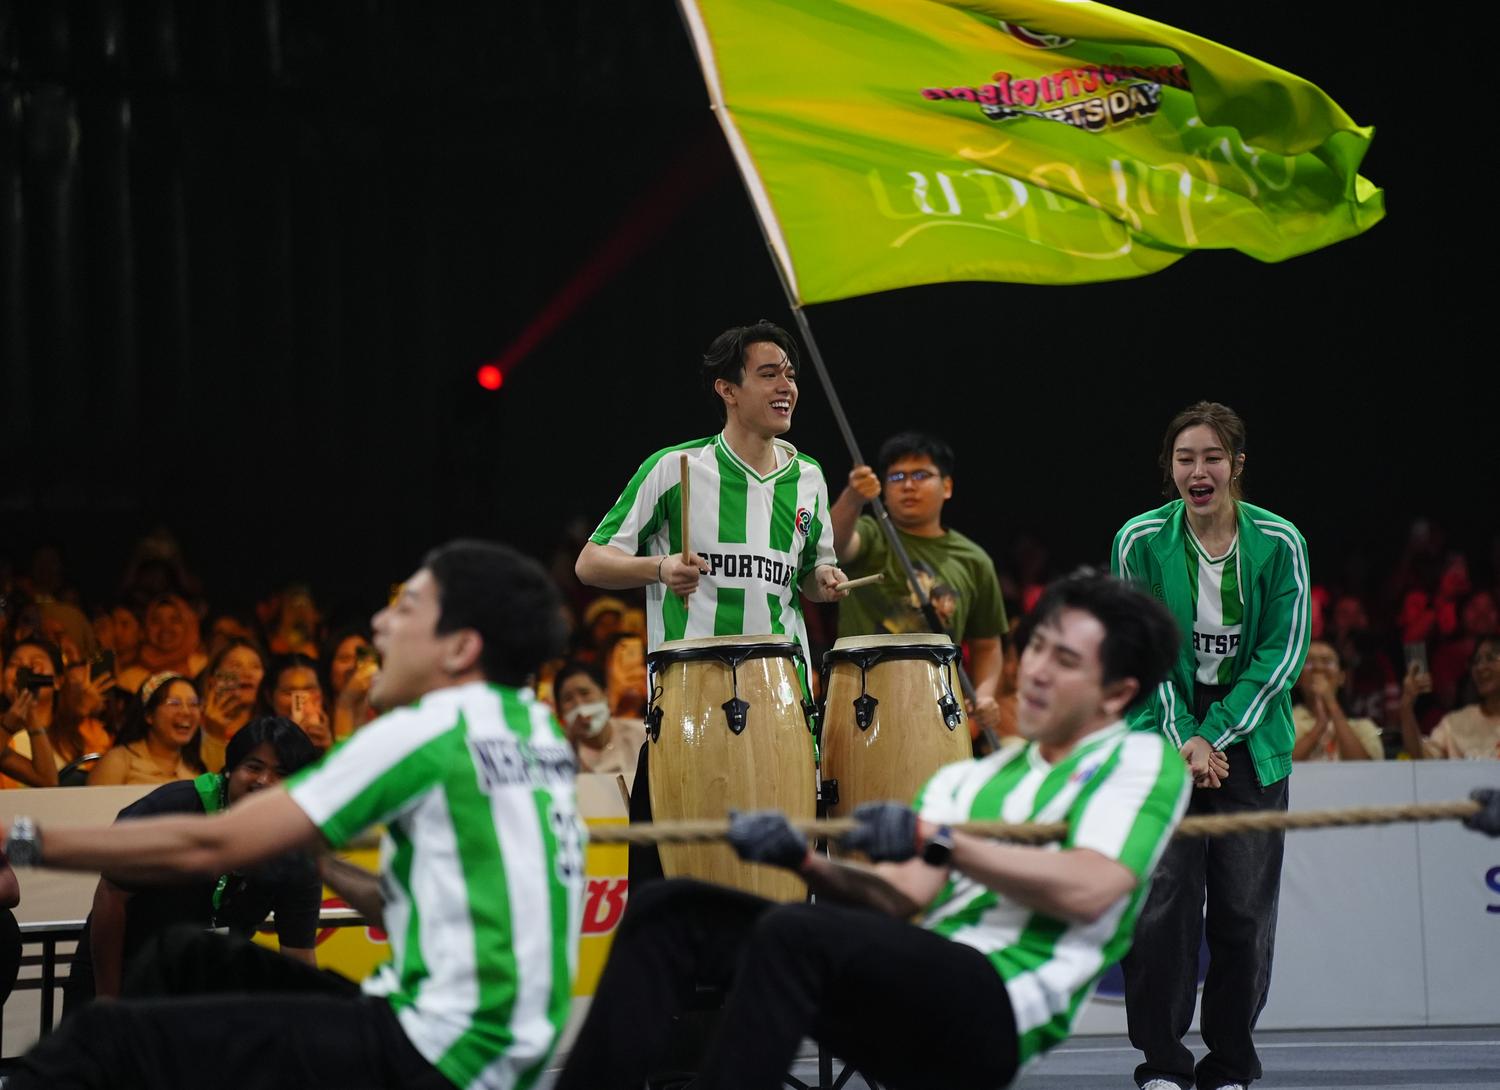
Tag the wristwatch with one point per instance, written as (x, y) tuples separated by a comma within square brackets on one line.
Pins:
[(23, 846), (939, 847)]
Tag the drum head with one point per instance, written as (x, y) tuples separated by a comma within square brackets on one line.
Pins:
[(707, 642), (887, 647), (888, 640), (724, 649)]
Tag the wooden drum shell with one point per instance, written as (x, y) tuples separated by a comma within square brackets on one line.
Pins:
[(907, 739), (700, 768)]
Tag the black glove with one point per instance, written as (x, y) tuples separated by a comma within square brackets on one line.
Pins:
[(887, 832), (766, 836), (1487, 821)]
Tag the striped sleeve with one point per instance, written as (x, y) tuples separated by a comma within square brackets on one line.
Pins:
[(1121, 563), (942, 798), (1282, 636), (1164, 709), (367, 779), (824, 552), (1130, 816), (632, 520)]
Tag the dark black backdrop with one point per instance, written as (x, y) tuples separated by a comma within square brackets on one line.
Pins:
[(251, 254)]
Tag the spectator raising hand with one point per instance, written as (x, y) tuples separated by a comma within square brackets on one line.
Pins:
[(1469, 732), (229, 688), (1416, 683), (31, 683), (79, 728), (296, 693)]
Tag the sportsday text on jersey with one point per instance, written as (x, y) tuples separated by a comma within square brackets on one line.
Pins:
[(749, 566), (1216, 643)]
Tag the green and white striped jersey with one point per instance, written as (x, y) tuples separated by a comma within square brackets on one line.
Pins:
[(1122, 793), (1219, 608), (481, 867), (760, 536)]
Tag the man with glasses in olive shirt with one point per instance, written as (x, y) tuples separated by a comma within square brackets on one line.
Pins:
[(915, 480)]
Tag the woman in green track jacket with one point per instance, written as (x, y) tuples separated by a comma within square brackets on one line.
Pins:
[(1236, 578)]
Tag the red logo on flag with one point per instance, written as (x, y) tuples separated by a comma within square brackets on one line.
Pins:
[(1034, 38)]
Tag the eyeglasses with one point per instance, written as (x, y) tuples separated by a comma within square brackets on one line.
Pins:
[(177, 702), (918, 475)]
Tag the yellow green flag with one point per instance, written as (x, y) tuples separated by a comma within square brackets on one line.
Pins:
[(896, 142)]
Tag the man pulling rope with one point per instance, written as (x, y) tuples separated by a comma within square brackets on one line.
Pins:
[(1012, 939)]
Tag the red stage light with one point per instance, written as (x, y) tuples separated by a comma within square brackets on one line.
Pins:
[(490, 377), (648, 218)]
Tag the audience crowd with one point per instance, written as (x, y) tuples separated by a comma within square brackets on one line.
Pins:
[(151, 684)]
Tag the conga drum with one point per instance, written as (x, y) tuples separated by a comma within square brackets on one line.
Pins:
[(728, 731), (891, 717)]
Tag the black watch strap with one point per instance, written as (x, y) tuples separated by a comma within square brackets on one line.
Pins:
[(939, 847)]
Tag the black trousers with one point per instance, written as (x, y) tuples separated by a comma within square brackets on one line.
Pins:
[(235, 1016), (10, 953), (1224, 888), (643, 861), (907, 1007)]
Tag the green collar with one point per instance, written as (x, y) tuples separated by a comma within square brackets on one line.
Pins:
[(1254, 547), (213, 792), (212, 788), (744, 466)]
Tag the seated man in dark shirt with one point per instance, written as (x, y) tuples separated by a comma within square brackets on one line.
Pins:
[(263, 753)]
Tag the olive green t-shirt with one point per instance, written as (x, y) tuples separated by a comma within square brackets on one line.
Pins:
[(958, 575)]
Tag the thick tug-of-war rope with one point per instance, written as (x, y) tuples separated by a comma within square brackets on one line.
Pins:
[(695, 832)]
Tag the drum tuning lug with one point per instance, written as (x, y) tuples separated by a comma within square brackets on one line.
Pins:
[(828, 792), (952, 715), (653, 722), (864, 710), (735, 710)]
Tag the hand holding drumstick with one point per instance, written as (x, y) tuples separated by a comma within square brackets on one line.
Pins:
[(679, 573)]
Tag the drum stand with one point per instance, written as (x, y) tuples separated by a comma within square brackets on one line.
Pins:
[(826, 1081), (828, 795)]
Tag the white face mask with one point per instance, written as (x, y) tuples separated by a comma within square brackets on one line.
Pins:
[(592, 717)]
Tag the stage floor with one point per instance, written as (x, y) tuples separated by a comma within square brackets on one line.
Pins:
[(1418, 1059)]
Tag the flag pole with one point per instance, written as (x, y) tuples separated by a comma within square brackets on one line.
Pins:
[(759, 200), (882, 516)]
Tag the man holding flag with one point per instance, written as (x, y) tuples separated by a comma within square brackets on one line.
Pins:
[(916, 480)]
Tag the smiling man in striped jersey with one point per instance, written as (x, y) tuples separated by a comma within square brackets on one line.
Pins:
[(1011, 939), (758, 517), (479, 890), (758, 523)]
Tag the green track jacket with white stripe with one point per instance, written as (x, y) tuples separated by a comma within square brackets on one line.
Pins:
[(1276, 585)]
